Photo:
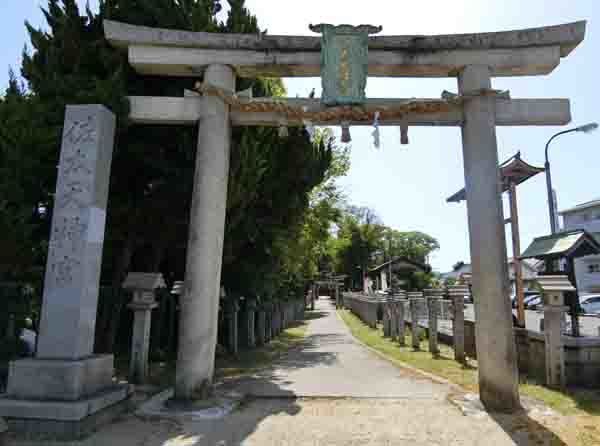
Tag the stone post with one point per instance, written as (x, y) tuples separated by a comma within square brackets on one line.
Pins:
[(268, 306), (249, 322), (386, 305), (553, 289), (457, 296), (231, 314), (200, 301), (415, 301), (301, 309), (283, 316), (434, 297), (313, 296), (401, 325), (260, 326), (10, 327), (273, 318), (277, 316), (143, 286), (55, 386), (394, 317), (3, 433), (496, 351)]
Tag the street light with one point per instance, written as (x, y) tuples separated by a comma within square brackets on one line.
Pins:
[(587, 128)]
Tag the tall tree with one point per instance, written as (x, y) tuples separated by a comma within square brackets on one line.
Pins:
[(271, 178)]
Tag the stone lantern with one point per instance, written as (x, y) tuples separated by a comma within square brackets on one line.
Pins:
[(143, 286), (553, 289)]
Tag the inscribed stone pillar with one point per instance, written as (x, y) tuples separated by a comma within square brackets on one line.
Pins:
[(143, 286), (72, 278), (59, 385), (434, 297), (496, 352), (200, 300), (457, 296)]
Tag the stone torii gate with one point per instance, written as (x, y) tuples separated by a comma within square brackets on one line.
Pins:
[(473, 59), (66, 387)]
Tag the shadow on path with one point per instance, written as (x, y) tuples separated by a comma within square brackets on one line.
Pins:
[(525, 431), (191, 430)]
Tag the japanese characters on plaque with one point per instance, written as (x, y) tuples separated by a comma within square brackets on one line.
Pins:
[(344, 62)]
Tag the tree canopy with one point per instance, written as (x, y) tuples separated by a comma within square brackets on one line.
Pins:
[(286, 220)]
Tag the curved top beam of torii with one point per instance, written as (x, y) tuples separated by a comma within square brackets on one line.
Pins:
[(184, 53)]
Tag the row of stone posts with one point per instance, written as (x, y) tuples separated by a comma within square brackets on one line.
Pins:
[(249, 323), (260, 321), (415, 307)]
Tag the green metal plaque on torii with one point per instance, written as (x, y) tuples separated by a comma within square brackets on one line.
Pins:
[(344, 62)]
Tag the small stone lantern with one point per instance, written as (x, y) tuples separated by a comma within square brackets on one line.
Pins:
[(143, 286), (553, 289)]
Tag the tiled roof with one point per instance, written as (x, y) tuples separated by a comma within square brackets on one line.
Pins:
[(561, 243), (582, 206)]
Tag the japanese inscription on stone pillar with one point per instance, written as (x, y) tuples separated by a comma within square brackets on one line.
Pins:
[(75, 250), (344, 62)]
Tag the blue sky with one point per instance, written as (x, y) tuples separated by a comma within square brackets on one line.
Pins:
[(407, 185)]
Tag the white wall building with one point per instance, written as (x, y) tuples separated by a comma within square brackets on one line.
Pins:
[(528, 268), (585, 216)]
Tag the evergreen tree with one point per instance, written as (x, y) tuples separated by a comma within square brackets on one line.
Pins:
[(152, 170)]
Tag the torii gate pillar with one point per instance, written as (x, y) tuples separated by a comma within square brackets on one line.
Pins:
[(200, 299), (496, 351)]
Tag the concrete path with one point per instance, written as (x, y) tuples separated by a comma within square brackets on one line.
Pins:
[(332, 391), (331, 363)]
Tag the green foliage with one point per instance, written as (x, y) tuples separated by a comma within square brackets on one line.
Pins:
[(27, 168), (363, 242), (271, 224), (421, 280), (450, 281)]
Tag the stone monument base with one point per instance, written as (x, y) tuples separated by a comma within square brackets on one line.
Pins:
[(59, 379), (64, 420), (62, 399)]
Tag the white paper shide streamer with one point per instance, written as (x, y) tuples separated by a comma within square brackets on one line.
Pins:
[(376, 139)]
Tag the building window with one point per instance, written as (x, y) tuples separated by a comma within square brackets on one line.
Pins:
[(594, 268)]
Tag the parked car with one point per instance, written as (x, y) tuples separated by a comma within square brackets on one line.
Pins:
[(533, 302), (591, 304), (528, 296)]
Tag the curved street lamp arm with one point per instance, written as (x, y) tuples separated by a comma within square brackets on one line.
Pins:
[(554, 136)]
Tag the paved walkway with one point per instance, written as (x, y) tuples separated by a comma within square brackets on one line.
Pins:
[(333, 391), (331, 363)]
